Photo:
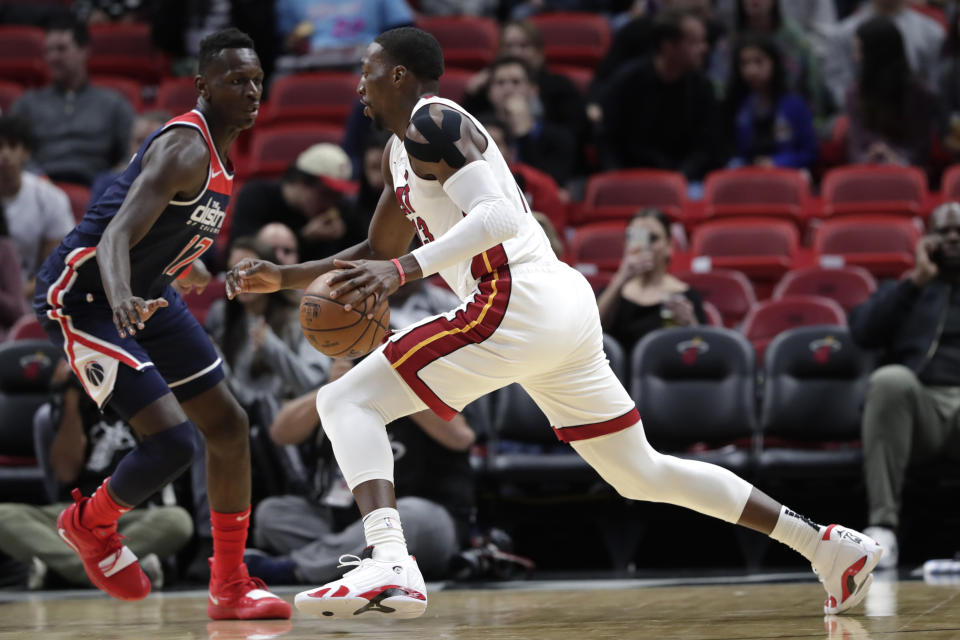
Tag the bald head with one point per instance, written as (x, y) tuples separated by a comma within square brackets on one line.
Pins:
[(282, 240)]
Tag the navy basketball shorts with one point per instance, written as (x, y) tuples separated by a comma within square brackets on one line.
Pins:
[(171, 353)]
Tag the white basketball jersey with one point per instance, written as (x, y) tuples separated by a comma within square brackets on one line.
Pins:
[(428, 207)]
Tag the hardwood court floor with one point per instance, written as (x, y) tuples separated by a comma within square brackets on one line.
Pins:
[(909, 609)]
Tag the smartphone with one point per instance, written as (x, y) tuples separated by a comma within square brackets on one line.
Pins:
[(638, 237)]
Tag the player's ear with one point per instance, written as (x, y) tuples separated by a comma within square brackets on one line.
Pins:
[(398, 74), (203, 88)]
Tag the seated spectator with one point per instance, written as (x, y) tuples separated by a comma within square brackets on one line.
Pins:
[(642, 296), (143, 125), (514, 97), (261, 341), (80, 129), (922, 40), (912, 410), (770, 126), (660, 112), (38, 214), (12, 303), (280, 238), (892, 114), (434, 481), (310, 199), (87, 446), (371, 175)]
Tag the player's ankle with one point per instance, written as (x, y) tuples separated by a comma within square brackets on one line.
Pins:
[(390, 551)]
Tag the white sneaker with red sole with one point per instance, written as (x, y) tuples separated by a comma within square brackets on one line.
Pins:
[(844, 562)]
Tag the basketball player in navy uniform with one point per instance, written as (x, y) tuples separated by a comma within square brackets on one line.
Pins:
[(105, 295), (525, 317)]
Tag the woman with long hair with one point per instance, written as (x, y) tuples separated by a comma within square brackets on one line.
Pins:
[(12, 303), (769, 125), (891, 111)]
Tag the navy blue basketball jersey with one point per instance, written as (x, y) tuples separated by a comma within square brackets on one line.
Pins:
[(179, 236)]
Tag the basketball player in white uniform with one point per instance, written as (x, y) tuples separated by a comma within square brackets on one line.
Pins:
[(526, 317)]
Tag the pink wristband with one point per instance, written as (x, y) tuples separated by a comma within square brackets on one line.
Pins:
[(403, 276)]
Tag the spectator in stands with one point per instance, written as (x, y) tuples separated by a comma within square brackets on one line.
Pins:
[(922, 40), (12, 303), (912, 410), (86, 447), (817, 18), (38, 214), (950, 87), (310, 532), (770, 126), (261, 341), (80, 129), (459, 7), (310, 199), (143, 125), (642, 296), (371, 176), (100, 11), (892, 114), (660, 112), (281, 239), (516, 102)]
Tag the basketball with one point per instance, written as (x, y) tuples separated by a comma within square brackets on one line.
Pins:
[(336, 332)]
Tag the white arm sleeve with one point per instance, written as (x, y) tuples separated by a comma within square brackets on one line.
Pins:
[(490, 220)]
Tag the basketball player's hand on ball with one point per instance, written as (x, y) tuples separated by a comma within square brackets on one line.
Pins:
[(359, 280), (253, 276), (131, 313)]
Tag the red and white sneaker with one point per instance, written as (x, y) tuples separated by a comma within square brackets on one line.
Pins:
[(110, 565), (380, 587), (844, 562), (242, 597)]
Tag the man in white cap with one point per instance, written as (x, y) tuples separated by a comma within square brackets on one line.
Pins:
[(310, 198)]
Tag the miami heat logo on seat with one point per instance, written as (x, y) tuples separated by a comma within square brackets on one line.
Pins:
[(823, 347), (690, 350)]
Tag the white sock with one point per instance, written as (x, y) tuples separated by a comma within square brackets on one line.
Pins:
[(383, 532), (797, 532)]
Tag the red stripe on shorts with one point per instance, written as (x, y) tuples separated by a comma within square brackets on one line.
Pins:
[(586, 431)]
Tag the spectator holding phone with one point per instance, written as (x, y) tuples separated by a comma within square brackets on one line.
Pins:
[(642, 296)]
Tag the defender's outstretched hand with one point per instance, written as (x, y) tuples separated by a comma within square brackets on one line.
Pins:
[(253, 276), (131, 314), (371, 280)]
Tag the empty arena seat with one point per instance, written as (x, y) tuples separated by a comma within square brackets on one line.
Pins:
[(770, 317), (696, 386), (848, 286), (714, 319), (883, 245), (176, 95), (22, 55), (27, 327), (453, 83), (79, 196), (752, 191), (598, 247), (613, 195), (127, 87), (199, 303), (468, 42), (868, 189), (761, 249), (815, 381), (125, 49), (730, 292), (950, 183), (312, 97), (274, 148), (9, 92), (576, 38)]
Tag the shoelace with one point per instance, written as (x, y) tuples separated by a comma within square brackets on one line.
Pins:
[(246, 583), (350, 560)]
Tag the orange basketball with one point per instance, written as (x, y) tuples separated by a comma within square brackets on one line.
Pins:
[(336, 332)]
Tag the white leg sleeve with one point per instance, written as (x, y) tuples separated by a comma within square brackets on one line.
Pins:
[(627, 461), (353, 413)]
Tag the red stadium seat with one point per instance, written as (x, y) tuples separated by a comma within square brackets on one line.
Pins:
[(950, 184), (768, 318), (620, 194), (749, 191), (848, 286), (598, 247), (868, 189), (26, 328), (125, 49), (453, 83), (581, 77), (467, 42), (9, 92), (542, 194), (714, 319), (274, 148), (761, 249), (127, 87), (79, 198), (21, 55), (312, 97), (578, 38), (176, 95), (729, 291), (883, 245), (199, 303)]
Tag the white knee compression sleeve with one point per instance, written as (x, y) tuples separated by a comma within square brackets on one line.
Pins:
[(353, 413), (636, 470)]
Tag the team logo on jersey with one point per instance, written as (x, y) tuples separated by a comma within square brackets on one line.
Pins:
[(94, 373), (690, 350), (823, 347), (209, 215)]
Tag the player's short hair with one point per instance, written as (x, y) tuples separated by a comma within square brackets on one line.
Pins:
[(77, 28), (15, 130), (668, 25), (414, 49), (503, 61), (213, 44)]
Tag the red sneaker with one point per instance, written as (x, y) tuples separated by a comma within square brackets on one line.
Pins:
[(110, 565), (241, 597)]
